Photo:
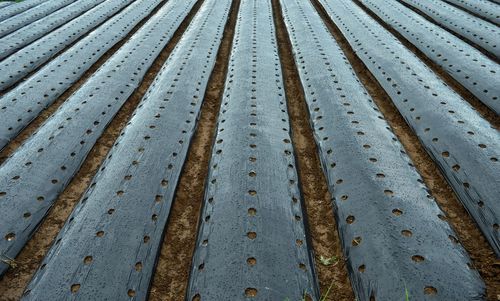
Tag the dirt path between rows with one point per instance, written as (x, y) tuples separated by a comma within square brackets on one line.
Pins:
[(174, 263), (320, 217)]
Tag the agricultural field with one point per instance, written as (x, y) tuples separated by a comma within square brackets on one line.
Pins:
[(283, 150)]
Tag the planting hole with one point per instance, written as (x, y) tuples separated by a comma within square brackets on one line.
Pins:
[(75, 288), (10, 236), (251, 292), (350, 219), (430, 290), (406, 233), (251, 261), (252, 211), (418, 258)]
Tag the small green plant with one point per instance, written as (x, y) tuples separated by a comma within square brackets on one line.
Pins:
[(407, 293), (327, 261)]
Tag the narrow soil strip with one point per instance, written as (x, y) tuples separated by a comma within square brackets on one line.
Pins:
[(483, 257), (174, 263), (15, 280), (485, 112), (322, 226), (491, 56), (44, 115)]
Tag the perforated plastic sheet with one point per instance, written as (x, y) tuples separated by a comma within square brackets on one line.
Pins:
[(252, 238), (482, 33), (16, 8), (392, 236), (17, 66), (114, 234), (32, 178), (475, 71), (31, 15), (464, 145), (16, 40), (5, 4), (483, 8), (22, 104)]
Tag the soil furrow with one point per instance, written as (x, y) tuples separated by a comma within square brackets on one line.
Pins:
[(174, 263), (322, 227)]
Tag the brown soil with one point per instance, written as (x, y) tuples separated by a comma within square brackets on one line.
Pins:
[(483, 257), (321, 222), (174, 263), (15, 280)]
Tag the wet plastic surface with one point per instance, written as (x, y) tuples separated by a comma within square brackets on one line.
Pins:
[(483, 8), (25, 60), (391, 233), (31, 15), (467, 65), (252, 238), (480, 32), (32, 178), (17, 8), (115, 233), (464, 146), (22, 104), (16, 40), (5, 4)]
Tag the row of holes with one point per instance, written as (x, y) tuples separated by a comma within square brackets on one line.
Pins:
[(463, 23), (350, 219), (18, 8), (147, 138), (39, 28), (427, 45), (159, 26), (444, 154), (26, 91), (40, 51), (32, 15), (252, 173), (475, 6)]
